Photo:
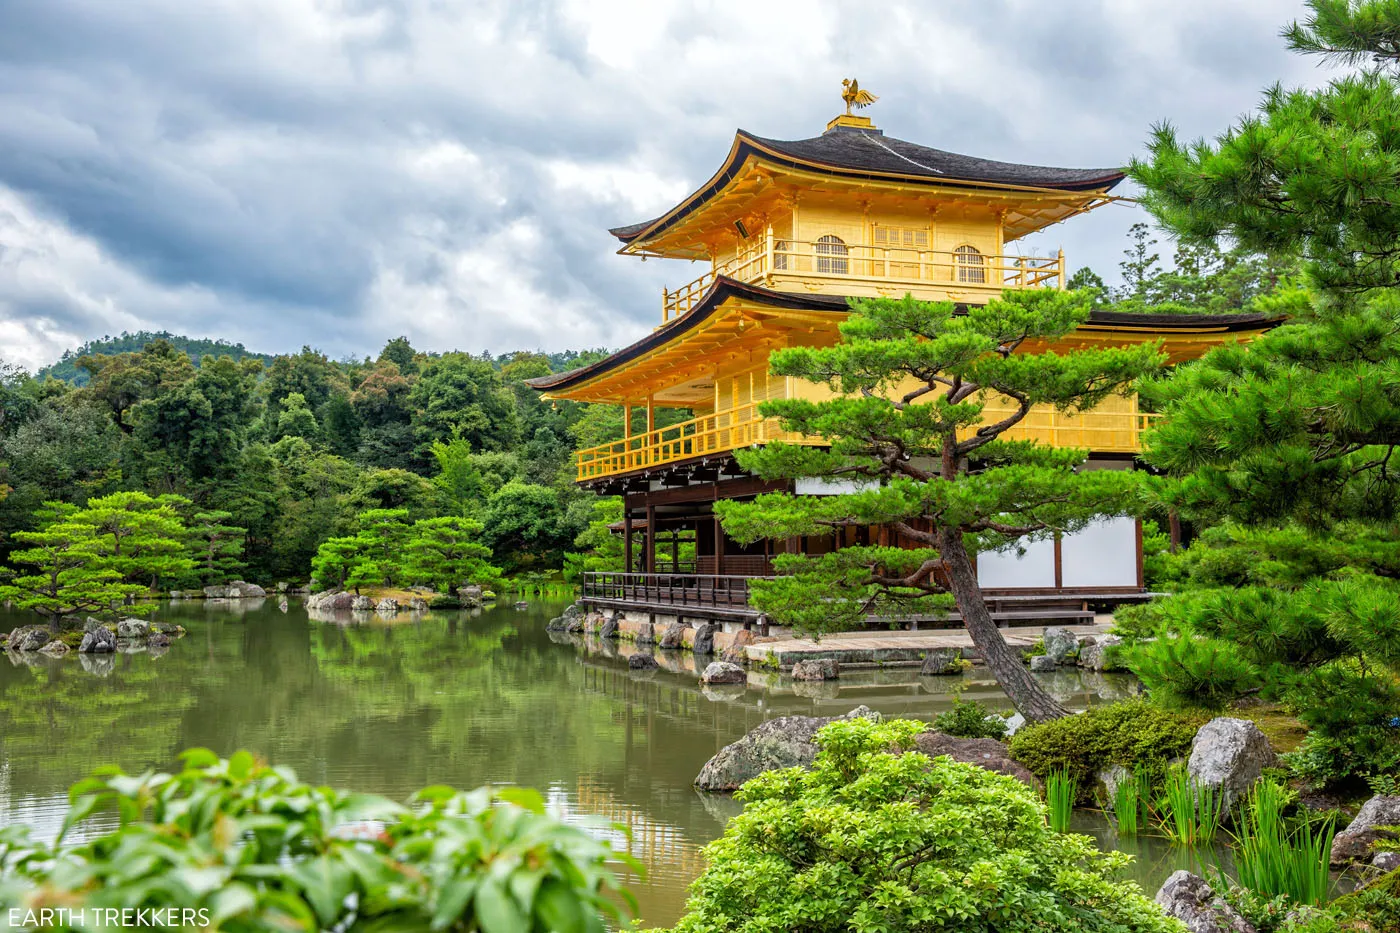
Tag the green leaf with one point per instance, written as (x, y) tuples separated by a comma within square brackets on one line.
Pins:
[(496, 912), (526, 798), (558, 908), (453, 899)]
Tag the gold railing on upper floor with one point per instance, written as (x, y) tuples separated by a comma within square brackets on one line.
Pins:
[(1098, 431), (770, 259)]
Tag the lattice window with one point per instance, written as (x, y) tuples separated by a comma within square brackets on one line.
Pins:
[(780, 254), (831, 255), (901, 237), (971, 265)]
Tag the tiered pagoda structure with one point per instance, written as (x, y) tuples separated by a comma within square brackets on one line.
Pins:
[(788, 230)]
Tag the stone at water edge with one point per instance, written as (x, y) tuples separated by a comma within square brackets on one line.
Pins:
[(671, 638), (133, 628), (31, 639), (472, 597), (98, 640), (560, 623), (646, 634), (985, 753), (1043, 664), (942, 662), (722, 672), (704, 638), (55, 649), (1190, 899), (785, 742), (642, 662), (1386, 861), (362, 603), (1354, 843), (736, 653), (282, 604), (418, 604), (608, 630), (1061, 645), (1111, 778), (1101, 656), (387, 604), (1229, 755), (246, 590), (816, 669), (158, 640)]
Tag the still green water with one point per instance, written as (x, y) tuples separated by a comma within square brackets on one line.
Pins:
[(389, 706)]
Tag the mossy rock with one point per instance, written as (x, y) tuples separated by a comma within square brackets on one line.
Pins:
[(443, 601)]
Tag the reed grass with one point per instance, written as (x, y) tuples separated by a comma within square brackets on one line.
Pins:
[(1060, 789), (1190, 814), (1128, 798), (1271, 859)]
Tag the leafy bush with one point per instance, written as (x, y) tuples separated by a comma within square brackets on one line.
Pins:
[(969, 719), (1134, 734), (254, 849), (877, 837)]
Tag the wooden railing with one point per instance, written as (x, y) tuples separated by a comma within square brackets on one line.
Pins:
[(1099, 431), (768, 258), (708, 434), (698, 591)]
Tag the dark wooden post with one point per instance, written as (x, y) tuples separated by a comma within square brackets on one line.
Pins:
[(651, 539), (627, 539), (719, 546), (1174, 522)]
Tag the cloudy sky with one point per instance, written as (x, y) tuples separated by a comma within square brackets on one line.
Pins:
[(337, 172)]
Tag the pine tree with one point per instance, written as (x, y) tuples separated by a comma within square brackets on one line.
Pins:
[(335, 562), (912, 379), (383, 535), (141, 537), (444, 553), (217, 547)]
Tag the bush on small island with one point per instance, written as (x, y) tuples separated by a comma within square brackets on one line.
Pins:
[(878, 837), (1135, 734), (255, 849), (969, 719)]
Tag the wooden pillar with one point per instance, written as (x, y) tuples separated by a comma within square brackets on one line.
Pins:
[(651, 416), (719, 546), (627, 539), (676, 550), (650, 555), (1174, 522)]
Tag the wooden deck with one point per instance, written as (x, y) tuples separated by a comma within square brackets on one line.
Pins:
[(896, 647)]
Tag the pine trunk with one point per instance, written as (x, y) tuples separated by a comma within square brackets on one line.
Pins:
[(1025, 692)]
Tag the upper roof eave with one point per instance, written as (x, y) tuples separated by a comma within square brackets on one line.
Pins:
[(894, 159)]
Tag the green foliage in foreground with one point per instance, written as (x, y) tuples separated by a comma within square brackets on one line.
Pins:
[(1135, 734), (970, 719), (877, 837), (257, 850)]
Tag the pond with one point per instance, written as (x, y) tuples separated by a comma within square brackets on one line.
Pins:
[(450, 698)]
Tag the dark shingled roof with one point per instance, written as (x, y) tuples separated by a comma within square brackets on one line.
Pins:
[(725, 288), (870, 153)]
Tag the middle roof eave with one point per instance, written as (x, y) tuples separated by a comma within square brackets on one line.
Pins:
[(723, 289)]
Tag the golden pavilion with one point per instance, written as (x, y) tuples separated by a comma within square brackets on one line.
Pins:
[(789, 229)]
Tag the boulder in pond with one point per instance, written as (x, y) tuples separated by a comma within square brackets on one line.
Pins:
[(608, 630), (55, 649), (642, 662), (133, 628), (522, 604), (785, 742), (577, 625), (282, 604), (362, 603), (98, 640), (472, 597), (1355, 843), (29, 638), (984, 753), (704, 642), (671, 638), (722, 672), (242, 589), (1061, 645), (941, 662), (1102, 654), (816, 669), (387, 604), (646, 634), (1190, 899), (560, 623), (158, 640), (417, 604), (1229, 756), (1043, 664)]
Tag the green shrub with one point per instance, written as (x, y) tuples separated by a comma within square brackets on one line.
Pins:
[(254, 850), (1134, 734), (876, 837), (969, 719)]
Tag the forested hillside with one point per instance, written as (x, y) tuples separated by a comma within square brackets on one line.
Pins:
[(69, 367), (294, 447)]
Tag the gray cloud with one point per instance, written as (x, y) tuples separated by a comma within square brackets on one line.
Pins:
[(284, 172)]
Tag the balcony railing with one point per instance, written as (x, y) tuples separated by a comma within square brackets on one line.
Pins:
[(770, 259), (1099, 431), (709, 434)]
